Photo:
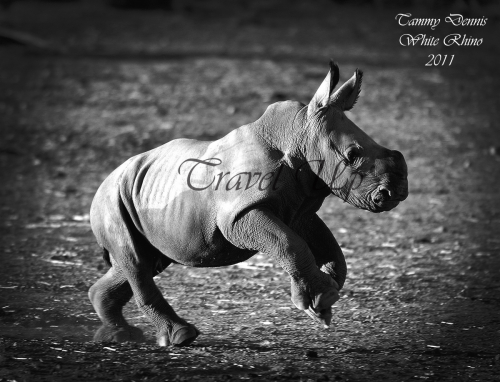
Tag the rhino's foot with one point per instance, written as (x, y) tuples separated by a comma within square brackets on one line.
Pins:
[(180, 336), (119, 334)]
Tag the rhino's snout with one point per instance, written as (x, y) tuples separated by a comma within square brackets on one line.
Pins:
[(402, 192), (398, 157), (394, 187), (386, 197)]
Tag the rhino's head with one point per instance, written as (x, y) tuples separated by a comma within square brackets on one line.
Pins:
[(355, 167)]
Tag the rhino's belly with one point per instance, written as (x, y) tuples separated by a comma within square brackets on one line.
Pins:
[(191, 238), (213, 258)]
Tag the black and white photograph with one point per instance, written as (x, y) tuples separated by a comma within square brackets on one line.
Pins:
[(249, 190)]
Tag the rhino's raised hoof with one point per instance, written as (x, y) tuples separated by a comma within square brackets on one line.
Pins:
[(119, 334), (184, 336)]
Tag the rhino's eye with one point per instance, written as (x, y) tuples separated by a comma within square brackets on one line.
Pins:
[(352, 154)]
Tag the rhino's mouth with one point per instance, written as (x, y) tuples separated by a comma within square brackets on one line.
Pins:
[(384, 206)]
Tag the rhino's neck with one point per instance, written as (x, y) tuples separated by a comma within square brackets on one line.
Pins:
[(281, 127)]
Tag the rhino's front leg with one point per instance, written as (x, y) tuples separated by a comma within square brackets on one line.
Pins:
[(324, 246), (328, 255), (261, 230)]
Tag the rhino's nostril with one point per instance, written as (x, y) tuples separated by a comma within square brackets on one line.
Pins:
[(384, 192)]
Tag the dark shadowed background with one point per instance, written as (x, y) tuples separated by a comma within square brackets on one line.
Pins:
[(86, 84)]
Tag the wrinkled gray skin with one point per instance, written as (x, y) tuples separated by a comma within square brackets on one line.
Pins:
[(163, 207)]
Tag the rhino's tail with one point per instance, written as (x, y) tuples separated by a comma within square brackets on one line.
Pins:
[(105, 256)]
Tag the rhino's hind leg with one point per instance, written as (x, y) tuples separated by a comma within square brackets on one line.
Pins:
[(135, 261), (171, 329), (108, 296)]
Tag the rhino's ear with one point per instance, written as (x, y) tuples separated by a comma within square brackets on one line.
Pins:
[(322, 96), (347, 95)]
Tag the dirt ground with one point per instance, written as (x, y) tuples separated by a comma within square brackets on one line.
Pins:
[(422, 296)]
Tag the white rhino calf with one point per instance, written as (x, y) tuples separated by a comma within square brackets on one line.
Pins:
[(210, 204)]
